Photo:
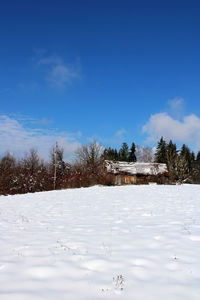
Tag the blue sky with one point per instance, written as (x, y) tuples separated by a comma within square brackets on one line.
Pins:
[(113, 71)]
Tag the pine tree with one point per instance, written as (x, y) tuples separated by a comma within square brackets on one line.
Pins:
[(132, 156), (161, 152), (195, 169), (124, 152), (185, 152), (185, 163), (116, 155), (198, 156), (172, 160), (110, 154), (192, 157)]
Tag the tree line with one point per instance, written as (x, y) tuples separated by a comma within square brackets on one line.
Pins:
[(183, 165), (32, 174), (132, 154)]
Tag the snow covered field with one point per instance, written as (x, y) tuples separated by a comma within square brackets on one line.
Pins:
[(129, 242)]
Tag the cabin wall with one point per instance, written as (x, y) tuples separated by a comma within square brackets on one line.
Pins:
[(130, 179), (121, 179), (125, 179)]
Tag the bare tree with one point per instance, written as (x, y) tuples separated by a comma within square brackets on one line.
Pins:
[(8, 169), (32, 161), (90, 154), (7, 162), (144, 154), (59, 169), (55, 154)]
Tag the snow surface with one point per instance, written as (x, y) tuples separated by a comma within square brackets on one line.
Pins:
[(134, 168), (128, 242)]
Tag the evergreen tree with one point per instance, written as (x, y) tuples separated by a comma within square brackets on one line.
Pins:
[(110, 154), (124, 152), (198, 156), (132, 156), (195, 169), (172, 160), (161, 152), (185, 163), (186, 154), (116, 155), (192, 157)]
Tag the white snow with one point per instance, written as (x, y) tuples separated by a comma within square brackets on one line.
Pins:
[(128, 242), (134, 168)]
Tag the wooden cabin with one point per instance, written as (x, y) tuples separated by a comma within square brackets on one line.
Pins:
[(122, 172)]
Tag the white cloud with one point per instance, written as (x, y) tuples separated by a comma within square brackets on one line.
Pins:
[(185, 131), (58, 73), (176, 107), (18, 138), (52, 69)]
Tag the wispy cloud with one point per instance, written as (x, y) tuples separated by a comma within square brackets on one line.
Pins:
[(49, 60), (186, 130), (117, 138), (58, 74), (176, 107), (120, 133), (18, 138)]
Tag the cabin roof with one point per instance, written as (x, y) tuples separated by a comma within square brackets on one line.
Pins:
[(134, 168)]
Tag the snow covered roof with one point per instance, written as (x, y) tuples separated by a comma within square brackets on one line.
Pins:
[(133, 168)]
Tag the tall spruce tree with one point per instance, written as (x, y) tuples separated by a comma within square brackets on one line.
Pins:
[(185, 163), (124, 152), (192, 157), (132, 156), (161, 152), (110, 154), (195, 169), (172, 160), (198, 156), (116, 155)]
